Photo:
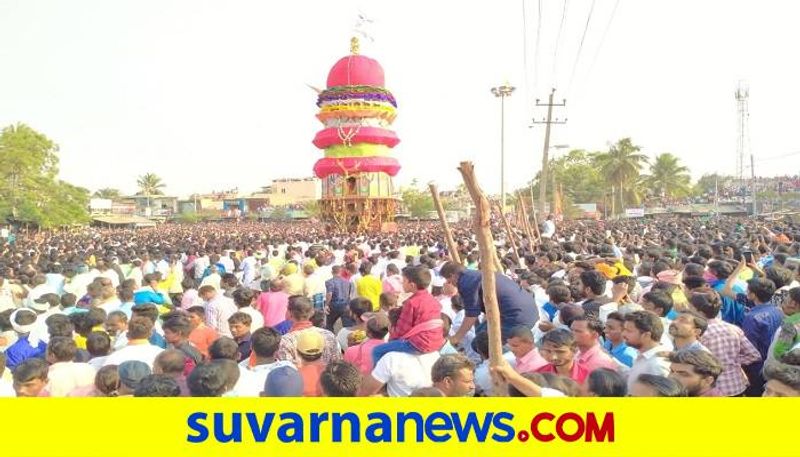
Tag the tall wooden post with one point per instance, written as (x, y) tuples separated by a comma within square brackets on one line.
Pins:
[(483, 231), (448, 235), (509, 234)]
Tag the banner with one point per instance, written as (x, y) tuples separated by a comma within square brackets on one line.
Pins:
[(309, 427), (634, 212)]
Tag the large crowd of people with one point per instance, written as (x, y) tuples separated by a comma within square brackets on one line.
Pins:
[(636, 307)]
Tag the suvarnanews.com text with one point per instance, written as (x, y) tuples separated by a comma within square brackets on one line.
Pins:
[(401, 427)]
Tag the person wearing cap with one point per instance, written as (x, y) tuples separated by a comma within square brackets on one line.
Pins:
[(28, 345), (300, 312), (310, 345), (360, 355), (359, 311), (131, 373), (283, 382)]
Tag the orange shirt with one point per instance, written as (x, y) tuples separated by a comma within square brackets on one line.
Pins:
[(202, 337), (311, 371)]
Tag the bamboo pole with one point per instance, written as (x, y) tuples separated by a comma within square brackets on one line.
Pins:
[(536, 226), (483, 232), (526, 223), (448, 235), (509, 233)]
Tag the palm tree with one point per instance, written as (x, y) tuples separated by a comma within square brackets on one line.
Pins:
[(150, 184), (107, 193), (621, 166), (668, 178)]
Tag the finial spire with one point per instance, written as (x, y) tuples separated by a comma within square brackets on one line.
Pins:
[(354, 46)]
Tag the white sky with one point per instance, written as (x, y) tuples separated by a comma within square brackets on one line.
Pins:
[(212, 95)]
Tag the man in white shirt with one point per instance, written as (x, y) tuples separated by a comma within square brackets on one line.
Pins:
[(642, 331), (218, 309), (200, 264), (244, 299), (401, 373), (64, 375), (549, 227), (227, 262), (138, 348), (249, 265), (40, 288), (264, 343)]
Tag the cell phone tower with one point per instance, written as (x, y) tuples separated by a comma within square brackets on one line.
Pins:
[(742, 145)]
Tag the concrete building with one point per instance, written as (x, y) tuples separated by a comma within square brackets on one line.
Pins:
[(289, 191)]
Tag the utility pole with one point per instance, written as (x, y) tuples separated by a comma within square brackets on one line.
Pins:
[(502, 92), (753, 177), (545, 159)]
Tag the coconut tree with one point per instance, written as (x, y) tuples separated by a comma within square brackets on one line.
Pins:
[(150, 184), (621, 166), (668, 178), (107, 193)]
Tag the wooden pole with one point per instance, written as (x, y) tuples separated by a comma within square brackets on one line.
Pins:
[(536, 226), (483, 231), (448, 235), (525, 222), (509, 233)]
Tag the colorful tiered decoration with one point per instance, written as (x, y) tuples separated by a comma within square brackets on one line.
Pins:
[(357, 112)]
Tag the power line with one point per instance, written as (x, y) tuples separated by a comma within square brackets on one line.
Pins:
[(603, 39), (536, 48), (558, 39), (580, 46), (525, 76)]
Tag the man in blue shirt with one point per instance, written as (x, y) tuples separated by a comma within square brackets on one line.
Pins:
[(517, 306), (732, 310), (27, 346), (614, 343), (760, 325), (337, 297)]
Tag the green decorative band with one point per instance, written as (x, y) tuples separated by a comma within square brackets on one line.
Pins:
[(358, 150)]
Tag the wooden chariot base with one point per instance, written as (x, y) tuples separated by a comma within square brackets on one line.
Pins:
[(358, 214)]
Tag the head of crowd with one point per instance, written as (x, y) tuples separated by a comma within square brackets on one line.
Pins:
[(669, 307)]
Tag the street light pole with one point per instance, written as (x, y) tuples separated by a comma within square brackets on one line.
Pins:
[(502, 92)]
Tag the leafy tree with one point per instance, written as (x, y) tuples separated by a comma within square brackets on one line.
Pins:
[(578, 176), (29, 189), (418, 201), (668, 178), (621, 166), (107, 193)]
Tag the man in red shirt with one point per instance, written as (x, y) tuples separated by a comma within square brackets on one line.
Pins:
[(419, 328), (558, 347), (587, 331), (201, 336)]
